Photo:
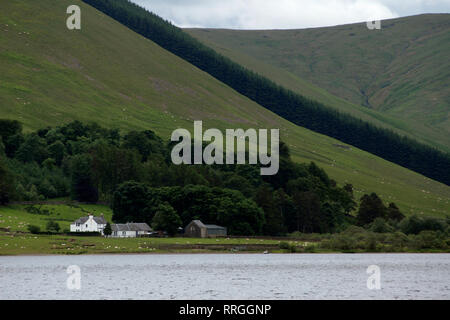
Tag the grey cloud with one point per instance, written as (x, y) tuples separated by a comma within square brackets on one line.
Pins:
[(285, 14)]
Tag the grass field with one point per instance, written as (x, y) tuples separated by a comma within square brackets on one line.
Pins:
[(56, 244), (396, 77), (51, 75)]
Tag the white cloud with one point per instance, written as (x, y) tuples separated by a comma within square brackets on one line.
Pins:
[(285, 14)]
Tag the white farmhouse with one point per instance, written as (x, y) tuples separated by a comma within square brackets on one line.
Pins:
[(89, 224), (130, 230)]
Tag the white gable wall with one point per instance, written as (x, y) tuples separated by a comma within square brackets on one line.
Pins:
[(89, 226)]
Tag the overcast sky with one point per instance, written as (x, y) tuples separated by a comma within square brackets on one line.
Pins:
[(285, 14)]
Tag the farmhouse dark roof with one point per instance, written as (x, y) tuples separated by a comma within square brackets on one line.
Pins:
[(82, 220), (99, 220), (130, 227)]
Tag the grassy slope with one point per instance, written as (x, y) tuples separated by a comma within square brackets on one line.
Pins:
[(401, 71), (106, 73), (16, 218)]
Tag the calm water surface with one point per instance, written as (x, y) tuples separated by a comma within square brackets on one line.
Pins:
[(227, 276)]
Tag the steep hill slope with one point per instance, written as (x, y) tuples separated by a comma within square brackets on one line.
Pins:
[(106, 73), (401, 70), (291, 106)]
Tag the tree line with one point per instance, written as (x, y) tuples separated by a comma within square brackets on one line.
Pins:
[(134, 173), (302, 111)]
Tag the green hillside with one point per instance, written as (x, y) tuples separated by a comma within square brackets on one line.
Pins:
[(17, 218), (106, 73), (395, 77)]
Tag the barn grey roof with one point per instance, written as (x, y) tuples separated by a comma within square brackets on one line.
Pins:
[(213, 226), (130, 227), (99, 220), (207, 226), (198, 223)]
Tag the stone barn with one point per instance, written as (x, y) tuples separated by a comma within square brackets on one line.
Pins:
[(196, 229)]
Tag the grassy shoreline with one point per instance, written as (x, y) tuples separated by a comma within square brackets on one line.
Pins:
[(29, 244), (25, 243)]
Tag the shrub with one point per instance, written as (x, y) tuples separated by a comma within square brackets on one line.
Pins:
[(379, 225), (52, 226), (287, 246), (310, 248), (108, 230), (398, 240), (370, 244), (308, 236), (416, 224), (284, 245), (37, 210), (434, 224), (353, 230), (343, 242), (430, 240), (34, 229)]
